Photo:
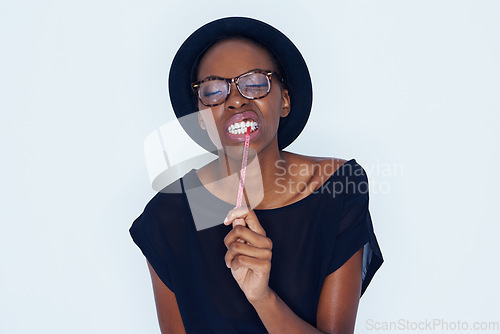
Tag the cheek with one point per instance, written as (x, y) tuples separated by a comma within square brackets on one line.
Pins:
[(271, 106), (211, 116), (201, 106)]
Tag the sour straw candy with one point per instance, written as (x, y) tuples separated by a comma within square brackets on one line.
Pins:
[(243, 168)]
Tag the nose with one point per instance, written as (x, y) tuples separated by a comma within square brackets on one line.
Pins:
[(235, 100)]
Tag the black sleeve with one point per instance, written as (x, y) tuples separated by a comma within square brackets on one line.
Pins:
[(355, 230), (140, 235)]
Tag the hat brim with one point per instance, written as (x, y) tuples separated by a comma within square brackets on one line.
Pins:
[(297, 75)]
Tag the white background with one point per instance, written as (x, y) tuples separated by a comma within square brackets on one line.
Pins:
[(413, 84)]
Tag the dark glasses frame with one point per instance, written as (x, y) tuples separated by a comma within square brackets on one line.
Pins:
[(269, 74)]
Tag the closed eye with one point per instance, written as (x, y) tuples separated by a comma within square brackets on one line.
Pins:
[(261, 85), (212, 93)]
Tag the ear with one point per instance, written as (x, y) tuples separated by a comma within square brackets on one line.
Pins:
[(201, 121), (285, 103)]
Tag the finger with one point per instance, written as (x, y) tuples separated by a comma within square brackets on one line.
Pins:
[(248, 215), (258, 266), (247, 250), (239, 221), (251, 237), (238, 211)]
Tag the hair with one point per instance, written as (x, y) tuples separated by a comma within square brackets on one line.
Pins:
[(274, 59)]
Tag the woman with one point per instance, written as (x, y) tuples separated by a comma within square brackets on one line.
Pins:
[(301, 251)]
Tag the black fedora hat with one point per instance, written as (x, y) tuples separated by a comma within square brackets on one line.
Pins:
[(296, 75)]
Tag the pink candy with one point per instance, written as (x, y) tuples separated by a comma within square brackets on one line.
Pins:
[(243, 168)]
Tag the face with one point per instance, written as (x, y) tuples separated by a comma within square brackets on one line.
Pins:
[(229, 59)]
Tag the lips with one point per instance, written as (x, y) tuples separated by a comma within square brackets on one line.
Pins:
[(237, 118), (244, 116)]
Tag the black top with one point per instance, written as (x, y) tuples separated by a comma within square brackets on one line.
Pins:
[(311, 238)]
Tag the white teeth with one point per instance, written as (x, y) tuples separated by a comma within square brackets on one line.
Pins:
[(240, 128)]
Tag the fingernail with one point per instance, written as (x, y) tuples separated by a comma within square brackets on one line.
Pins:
[(225, 222)]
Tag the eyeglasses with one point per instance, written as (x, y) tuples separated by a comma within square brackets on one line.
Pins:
[(213, 91)]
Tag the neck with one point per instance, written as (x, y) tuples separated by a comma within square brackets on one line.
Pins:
[(263, 168)]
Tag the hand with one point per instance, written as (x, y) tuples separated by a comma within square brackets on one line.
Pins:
[(249, 253)]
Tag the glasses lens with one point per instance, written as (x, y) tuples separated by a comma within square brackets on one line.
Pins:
[(213, 92), (255, 85)]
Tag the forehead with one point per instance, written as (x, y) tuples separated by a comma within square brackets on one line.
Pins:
[(233, 57)]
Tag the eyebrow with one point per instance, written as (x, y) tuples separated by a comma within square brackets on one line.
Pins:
[(219, 77)]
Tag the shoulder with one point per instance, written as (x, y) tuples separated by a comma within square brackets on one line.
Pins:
[(168, 196), (334, 175), (166, 206), (319, 169)]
